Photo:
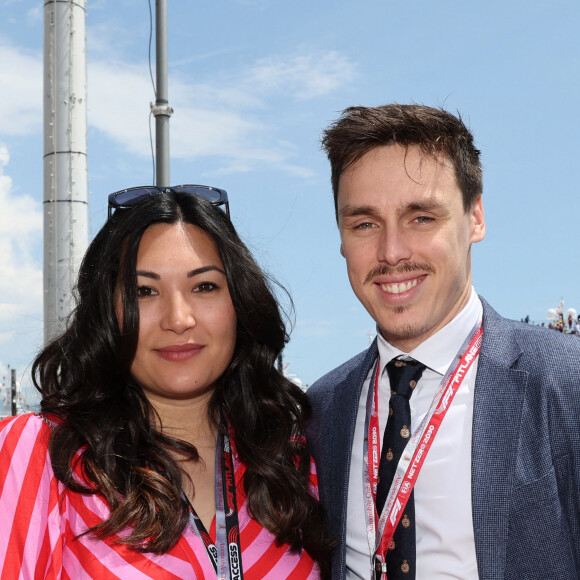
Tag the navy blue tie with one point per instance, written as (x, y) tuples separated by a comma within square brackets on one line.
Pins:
[(403, 376)]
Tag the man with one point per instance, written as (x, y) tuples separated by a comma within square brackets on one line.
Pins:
[(498, 493)]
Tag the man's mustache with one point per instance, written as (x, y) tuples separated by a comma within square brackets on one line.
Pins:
[(406, 268)]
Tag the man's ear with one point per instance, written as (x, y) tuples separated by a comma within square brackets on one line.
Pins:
[(477, 219)]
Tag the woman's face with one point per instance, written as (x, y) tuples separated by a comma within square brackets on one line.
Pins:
[(187, 328)]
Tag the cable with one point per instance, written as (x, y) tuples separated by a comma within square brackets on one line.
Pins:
[(150, 46), (154, 88)]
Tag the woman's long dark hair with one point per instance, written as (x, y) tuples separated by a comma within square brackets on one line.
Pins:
[(84, 378)]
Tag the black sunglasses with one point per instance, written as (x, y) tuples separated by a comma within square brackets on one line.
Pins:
[(128, 198)]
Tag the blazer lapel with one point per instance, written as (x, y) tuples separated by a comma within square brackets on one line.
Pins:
[(499, 396), (338, 423)]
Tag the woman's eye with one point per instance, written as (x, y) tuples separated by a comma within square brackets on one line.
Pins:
[(205, 287), (145, 291)]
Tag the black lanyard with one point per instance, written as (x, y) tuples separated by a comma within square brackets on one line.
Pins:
[(226, 553)]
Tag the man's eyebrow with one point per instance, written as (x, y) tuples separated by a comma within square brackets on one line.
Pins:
[(372, 211), (357, 210), (425, 205), (190, 274)]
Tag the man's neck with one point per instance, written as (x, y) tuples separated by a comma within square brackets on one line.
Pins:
[(438, 350)]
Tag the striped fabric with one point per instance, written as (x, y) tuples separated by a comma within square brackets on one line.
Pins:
[(40, 518)]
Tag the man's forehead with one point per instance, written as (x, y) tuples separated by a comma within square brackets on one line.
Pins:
[(413, 159), (402, 173)]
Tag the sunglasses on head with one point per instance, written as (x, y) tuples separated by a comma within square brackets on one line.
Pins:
[(128, 198)]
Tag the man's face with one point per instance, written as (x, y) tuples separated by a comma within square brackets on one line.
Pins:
[(407, 241)]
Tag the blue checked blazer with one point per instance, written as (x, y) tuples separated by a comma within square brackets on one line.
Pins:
[(525, 469)]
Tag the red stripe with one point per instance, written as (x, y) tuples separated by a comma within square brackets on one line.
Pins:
[(43, 557), (265, 563), (30, 500), (249, 533), (90, 564), (24, 509), (131, 557), (303, 569), (212, 530), (95, 569), (191, 556), (9, 445)]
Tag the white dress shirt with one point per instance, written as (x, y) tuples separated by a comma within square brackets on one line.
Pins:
[(443, 515)]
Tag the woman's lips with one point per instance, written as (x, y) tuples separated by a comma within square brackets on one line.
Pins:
[(179, 352)]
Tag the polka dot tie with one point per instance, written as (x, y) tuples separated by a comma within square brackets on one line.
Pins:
[(403, 376)]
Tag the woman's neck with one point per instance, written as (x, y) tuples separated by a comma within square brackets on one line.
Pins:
[(187, 420)]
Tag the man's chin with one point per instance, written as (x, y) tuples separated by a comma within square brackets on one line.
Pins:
[(403, 335)]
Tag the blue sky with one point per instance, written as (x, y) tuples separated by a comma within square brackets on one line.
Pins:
[(253, 83)]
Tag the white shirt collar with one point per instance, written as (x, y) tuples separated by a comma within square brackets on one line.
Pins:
[(438, 351)]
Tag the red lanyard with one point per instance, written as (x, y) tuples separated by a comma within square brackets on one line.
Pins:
[(374, 441), (381, 534)]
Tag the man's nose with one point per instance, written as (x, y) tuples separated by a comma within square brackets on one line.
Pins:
[(393, 247)]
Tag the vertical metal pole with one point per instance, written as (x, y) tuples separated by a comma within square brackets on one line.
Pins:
[(161, 110), (65, 157), (13, 409)]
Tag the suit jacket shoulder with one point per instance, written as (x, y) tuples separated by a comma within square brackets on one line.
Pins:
[(335, 399), (526, 452), (333, 396)]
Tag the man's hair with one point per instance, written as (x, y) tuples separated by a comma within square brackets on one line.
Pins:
[(437, 133)]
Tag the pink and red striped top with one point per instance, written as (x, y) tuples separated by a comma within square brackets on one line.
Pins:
[(40, 519)]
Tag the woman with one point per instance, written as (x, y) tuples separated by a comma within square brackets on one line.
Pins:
[(168, 445)]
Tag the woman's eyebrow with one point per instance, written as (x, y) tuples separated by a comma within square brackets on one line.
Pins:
[(204, 269), (190, 274), (147, 274)]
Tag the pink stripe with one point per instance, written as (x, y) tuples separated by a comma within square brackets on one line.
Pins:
[(28, 486), (291, 566), (42, 523), (119, 558), (21, 497)]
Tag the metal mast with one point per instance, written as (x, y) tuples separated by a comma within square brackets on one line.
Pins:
[(65, 157), (161, 110)]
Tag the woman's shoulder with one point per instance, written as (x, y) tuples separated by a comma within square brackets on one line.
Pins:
[(30, 422), (28, 433), (26, 473)]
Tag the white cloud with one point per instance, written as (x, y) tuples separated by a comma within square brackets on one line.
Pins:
[(303, 76), (35, 13), (20, 236), (21, 94), (119, 107), (117, 103), (225, 120)]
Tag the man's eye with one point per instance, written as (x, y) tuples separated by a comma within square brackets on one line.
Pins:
[(364, 226), (423, 219)]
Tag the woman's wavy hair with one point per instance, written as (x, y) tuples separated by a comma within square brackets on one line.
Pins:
[(84, 378)]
